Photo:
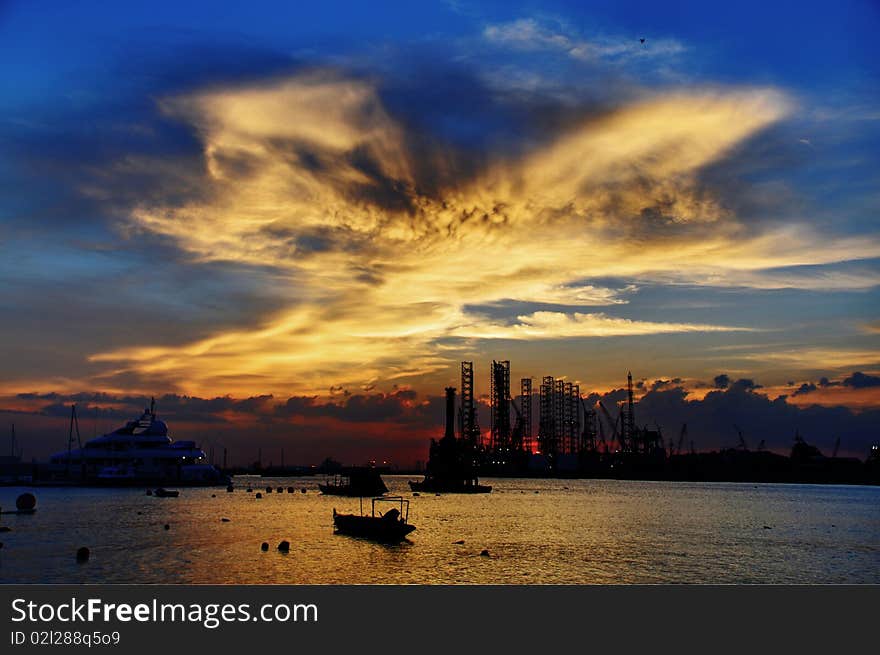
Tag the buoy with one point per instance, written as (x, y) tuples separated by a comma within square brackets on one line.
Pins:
[(225, 520), (281, 490), (149, 492), (416, 494), (167, 527), (249, 490), (284, 546), (484, 553), (437, 494), (259, 495), (229, 489), (264, 546), (139, 513), (25, 502), (268, 490), (291, 490), (303, 489), (82, 554), (213, 495)]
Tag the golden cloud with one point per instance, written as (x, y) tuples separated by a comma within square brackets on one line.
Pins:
[(312, 177)]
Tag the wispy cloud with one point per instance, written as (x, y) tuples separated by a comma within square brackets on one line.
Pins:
[(533, 34), (558, 325)]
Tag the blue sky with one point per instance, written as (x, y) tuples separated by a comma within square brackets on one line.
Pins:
[(190, 192)]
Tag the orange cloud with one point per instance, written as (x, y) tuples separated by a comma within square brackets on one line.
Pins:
[(312, 177)]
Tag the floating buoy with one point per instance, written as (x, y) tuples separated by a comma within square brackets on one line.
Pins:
[(167, 527), (291, 490), (213, 495), (437, 494), (139, 513), (259, 495), (225, 520), (303, 489), (281, 490), (264, 546), (484, 553), (229, 489), (82, 554), (149, 492), (25, 502), (416, 493), (249, 490), (284, 546), (268, 490)]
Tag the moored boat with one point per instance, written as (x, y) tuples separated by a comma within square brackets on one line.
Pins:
[(139, 453), (356, 481), (392, 525)]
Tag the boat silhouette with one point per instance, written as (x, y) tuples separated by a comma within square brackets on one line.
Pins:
[(392, 525)]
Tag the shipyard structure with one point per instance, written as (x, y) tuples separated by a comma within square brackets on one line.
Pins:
[(577, 439)]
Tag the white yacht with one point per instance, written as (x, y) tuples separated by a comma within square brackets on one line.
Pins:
[(139, 453)]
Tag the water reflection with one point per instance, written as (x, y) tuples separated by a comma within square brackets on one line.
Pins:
[(570, 531)]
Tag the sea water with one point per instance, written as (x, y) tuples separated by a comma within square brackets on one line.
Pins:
[(536, 531)]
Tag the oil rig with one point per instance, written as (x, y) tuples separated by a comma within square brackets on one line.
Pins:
[(570, 438), (577, 438)]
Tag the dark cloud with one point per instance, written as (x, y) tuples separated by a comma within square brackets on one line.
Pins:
[(710, 421), (806, 387), (745, 384), (860, 380), (357, 408), (721, 381), (665, 384)]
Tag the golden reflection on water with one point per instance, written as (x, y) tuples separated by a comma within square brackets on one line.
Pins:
[(536, 532)]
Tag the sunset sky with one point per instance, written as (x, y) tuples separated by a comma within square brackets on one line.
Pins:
[(291, 221)]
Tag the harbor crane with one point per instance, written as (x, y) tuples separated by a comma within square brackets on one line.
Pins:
[(681, 438), (613, 425), (742, 442)]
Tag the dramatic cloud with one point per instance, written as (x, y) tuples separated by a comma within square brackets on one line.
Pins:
[(387, 248)]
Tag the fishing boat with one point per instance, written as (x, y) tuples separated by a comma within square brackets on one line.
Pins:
[(356, 481), (392, 525)]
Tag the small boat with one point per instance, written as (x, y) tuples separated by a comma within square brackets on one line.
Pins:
[(167, 493), (356, 481), (392, 525)]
